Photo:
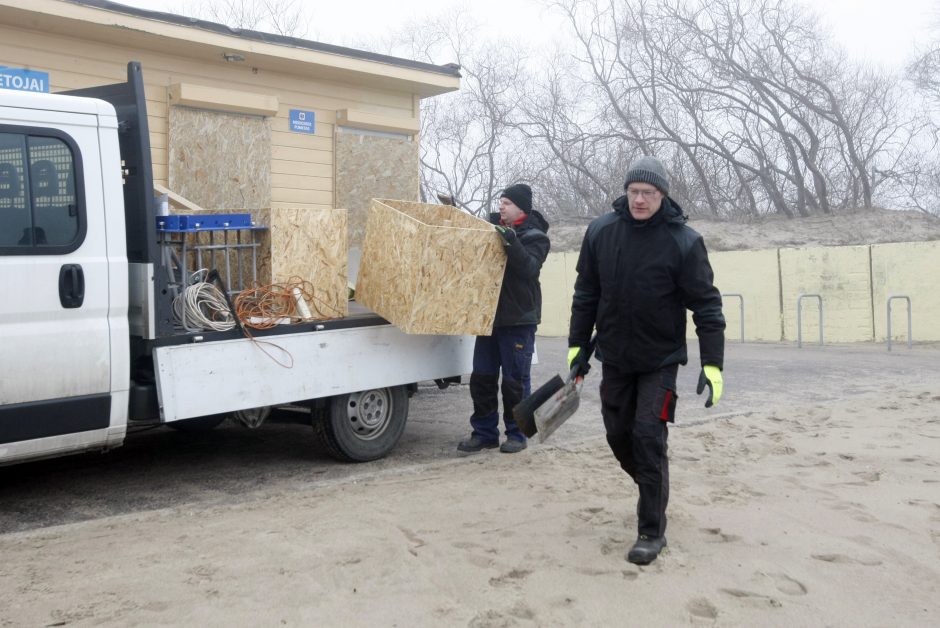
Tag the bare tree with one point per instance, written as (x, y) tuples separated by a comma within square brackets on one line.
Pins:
[(917, 177), (746, 99), (281, 17), (470, 143)]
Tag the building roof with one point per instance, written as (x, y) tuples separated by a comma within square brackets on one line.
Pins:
[(119, 24)]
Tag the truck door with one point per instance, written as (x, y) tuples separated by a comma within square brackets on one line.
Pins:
[(55, 363)]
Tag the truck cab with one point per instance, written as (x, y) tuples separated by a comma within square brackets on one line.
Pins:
[(64, 326)]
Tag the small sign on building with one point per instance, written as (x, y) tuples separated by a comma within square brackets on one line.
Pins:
[(23, 80), (303, 121)]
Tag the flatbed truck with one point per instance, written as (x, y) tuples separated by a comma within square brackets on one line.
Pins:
[(89, 348)]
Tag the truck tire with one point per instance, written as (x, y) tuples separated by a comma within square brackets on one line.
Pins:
[(363, 426)]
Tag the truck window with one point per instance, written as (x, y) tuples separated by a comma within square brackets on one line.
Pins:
[(40, 208)]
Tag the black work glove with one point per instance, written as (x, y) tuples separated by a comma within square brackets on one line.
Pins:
[(508, 234)]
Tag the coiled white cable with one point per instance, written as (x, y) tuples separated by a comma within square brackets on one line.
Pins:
[(201, 305)]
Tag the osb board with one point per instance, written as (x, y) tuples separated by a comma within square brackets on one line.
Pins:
[(430, 269), (220, 160), (368, 167), (310, 244)]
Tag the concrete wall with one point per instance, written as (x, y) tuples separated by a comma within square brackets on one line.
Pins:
[(842, 278), (853, 282), (752, 274), (911, 269)]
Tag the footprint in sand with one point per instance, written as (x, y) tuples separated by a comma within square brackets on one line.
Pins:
[(868, 476), (935, 537), (510, 577), (612, 545), (701, 607), (786, 584), (715, 535), (475, 554), (752, 597), (842, 559), (594, 515)]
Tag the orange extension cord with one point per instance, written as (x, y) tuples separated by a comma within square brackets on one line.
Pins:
[(264, 307)]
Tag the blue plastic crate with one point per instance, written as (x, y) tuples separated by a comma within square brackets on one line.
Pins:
[(203, 222)]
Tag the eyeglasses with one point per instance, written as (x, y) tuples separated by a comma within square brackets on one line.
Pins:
[(646, 194)]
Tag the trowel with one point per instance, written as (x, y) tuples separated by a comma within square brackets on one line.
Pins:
[(559, 407), (551, 405)]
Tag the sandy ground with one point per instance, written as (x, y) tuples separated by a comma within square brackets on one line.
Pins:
[(809, 497), (872, 226)]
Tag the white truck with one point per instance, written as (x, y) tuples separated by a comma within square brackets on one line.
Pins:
[(88, 344)]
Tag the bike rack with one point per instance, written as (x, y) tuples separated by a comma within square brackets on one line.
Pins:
[(740, 308), (799, 318), (909, 334)]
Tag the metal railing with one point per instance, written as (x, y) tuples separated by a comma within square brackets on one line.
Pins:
[(799, 318), (740, 308), (909, 333)]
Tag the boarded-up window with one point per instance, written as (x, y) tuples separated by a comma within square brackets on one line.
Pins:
[(220, 160), (373, 165)]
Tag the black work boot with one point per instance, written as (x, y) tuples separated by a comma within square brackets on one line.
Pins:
[(646, 549), (475, 443), (512, 446)]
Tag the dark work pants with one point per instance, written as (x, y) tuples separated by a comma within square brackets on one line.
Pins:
[(637, 408), (508, 350)]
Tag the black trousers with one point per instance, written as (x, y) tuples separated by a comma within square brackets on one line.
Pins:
[(637, 409), (508, 350)]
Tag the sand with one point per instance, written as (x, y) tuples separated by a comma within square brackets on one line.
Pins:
[(789, 507)]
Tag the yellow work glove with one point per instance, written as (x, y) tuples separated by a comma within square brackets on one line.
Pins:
[(711, 377), (576, 359)]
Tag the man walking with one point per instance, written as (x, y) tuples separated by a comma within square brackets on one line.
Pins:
[(639, 269), (509, 349)]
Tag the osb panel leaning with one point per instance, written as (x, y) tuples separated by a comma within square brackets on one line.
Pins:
[(430, 269)]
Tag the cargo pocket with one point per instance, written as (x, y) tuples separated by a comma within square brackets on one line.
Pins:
[(666, 399), (521, 362)]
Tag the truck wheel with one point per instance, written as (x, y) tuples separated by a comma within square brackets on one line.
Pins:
[(363, 426)]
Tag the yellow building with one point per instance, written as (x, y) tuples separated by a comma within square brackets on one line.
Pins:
[(241, 119)]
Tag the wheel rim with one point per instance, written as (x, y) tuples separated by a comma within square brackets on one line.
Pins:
[(368, 413)]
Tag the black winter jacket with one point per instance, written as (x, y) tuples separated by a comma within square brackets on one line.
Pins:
[(635, 281), (520, 298)]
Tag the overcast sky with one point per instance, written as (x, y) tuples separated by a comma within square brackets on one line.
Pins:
[(880, 31)]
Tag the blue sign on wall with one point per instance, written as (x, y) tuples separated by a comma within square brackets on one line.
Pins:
[(303, 121), (23, 80)]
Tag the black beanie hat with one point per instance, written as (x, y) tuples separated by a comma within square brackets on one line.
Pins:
[(520, 194), (648, 170)]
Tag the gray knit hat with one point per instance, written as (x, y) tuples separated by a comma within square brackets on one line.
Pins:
[(648, 170)]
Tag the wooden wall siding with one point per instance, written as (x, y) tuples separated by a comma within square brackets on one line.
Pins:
[(309, 244), (369, 166), (220, 160), (430, 269), (74, 63)]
